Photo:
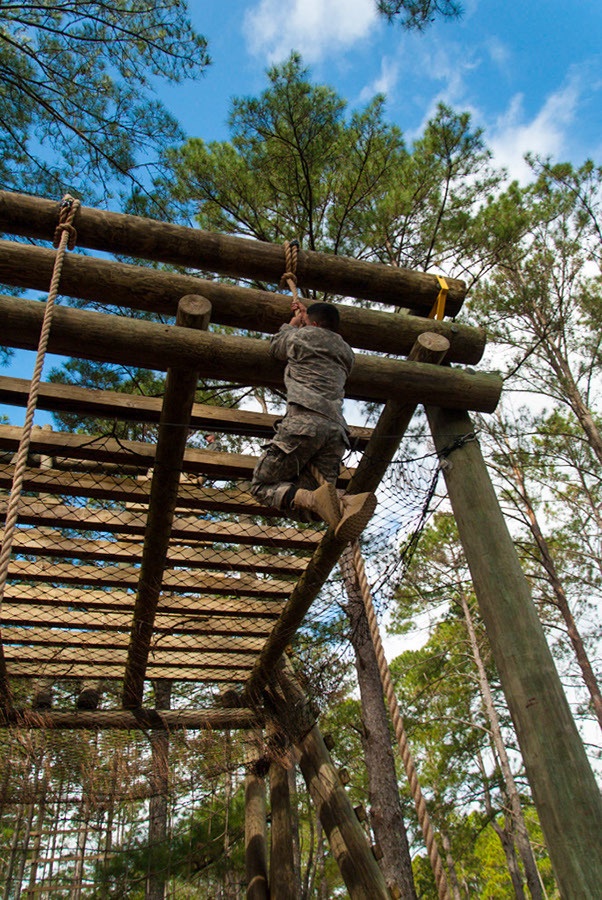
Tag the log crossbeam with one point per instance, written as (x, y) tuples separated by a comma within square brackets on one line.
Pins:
[(180, 389)]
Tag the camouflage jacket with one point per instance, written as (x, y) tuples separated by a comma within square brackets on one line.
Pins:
[(318, 364)]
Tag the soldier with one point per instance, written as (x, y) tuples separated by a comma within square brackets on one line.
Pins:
[(313, 431)]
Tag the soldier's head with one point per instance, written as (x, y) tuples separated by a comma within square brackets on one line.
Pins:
[(324, 315)]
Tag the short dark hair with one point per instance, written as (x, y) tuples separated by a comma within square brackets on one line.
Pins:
[(325, 315)]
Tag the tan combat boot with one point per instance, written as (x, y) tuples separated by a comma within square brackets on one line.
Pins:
[(324, 502), (357, 512)]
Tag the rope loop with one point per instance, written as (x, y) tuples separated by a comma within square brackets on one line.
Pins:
[(68, 208), (289, 278)]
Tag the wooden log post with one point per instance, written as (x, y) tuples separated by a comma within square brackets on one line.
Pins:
[(283, 880), (564, 788), (256, 857), (180, 389), (149, 239), (151, 290)]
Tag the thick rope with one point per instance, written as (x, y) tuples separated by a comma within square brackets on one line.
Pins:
[(396, 718), (291, 252), (394, 712), (64, 238)]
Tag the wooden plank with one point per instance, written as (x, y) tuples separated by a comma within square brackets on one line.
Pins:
[(97, 600), (192, 720), (116, 339), (169, 623), (136, 408), (156, 291), (73, 637), (50, 542), (128, 577), (117, 656), (90, 669), (148, 239), (34, 512)]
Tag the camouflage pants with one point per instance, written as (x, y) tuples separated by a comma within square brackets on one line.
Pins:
[(302, 439)]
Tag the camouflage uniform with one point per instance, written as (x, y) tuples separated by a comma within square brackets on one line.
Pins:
[(313, 430)]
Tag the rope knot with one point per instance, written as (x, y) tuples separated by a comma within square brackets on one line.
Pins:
[(291, 252), (67, 210)]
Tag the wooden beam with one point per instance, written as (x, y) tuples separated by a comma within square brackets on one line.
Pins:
[(564, 787), (50, 542), (90, 669), (117, 656), (126, 576), (34, 512), (98, 601), (148, 239), (211, 648), (136, 408), (256, 851), (116, 339), (152, 290), (141, 719)]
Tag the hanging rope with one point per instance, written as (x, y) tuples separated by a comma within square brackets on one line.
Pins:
[(65, 237), (396, 718), (394, 711), (289, 278)]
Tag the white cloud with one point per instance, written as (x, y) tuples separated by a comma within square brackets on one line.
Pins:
[(545, 134), (316, 28), (386, 81)]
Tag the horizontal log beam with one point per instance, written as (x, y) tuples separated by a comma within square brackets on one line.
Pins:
[(42, 543), (116, 339), (34, 512), (183, 609), (149, 239), (91, 669), (20, 614), (136, 408), (117, 656), (128, 577), (141, 719), (32, 636)]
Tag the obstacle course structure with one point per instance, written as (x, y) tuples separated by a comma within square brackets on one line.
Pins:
[(136, 562)]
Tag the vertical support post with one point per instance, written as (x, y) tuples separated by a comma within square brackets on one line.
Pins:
[(564, 787), (157, 813), (283, 884), (256, 857)]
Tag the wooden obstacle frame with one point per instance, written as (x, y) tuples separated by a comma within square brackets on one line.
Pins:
[(166, 524)]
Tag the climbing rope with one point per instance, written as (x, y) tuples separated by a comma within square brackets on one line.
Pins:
[(65, 237), (400, 732), (353, 554), (291, 253)]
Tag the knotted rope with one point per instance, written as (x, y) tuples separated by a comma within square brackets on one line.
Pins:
[(65, 237), (354, 553), (291, 253)]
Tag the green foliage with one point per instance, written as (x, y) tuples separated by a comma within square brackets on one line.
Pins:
[(418, 14), (76, 95)]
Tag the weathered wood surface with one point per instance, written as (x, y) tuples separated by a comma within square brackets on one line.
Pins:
[(141, 288), (128, 577), (91, 669), (283, 881), (256, 851), (116, 339), (136, 408), (117, 656), (194, 313), (133, 490), (348, 841), (42, 543), (21, 614), (67, 637), (193, 720), (34, 512), (182, 609), (563, 785), (149, 239)]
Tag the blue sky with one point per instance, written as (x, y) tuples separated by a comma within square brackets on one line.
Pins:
[(530, 74)]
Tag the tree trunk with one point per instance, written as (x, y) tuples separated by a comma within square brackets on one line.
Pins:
[(386, 814), (159, 784), (518, 821), (451, 866)]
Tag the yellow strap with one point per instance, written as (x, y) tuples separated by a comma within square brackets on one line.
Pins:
[(438, 310)]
